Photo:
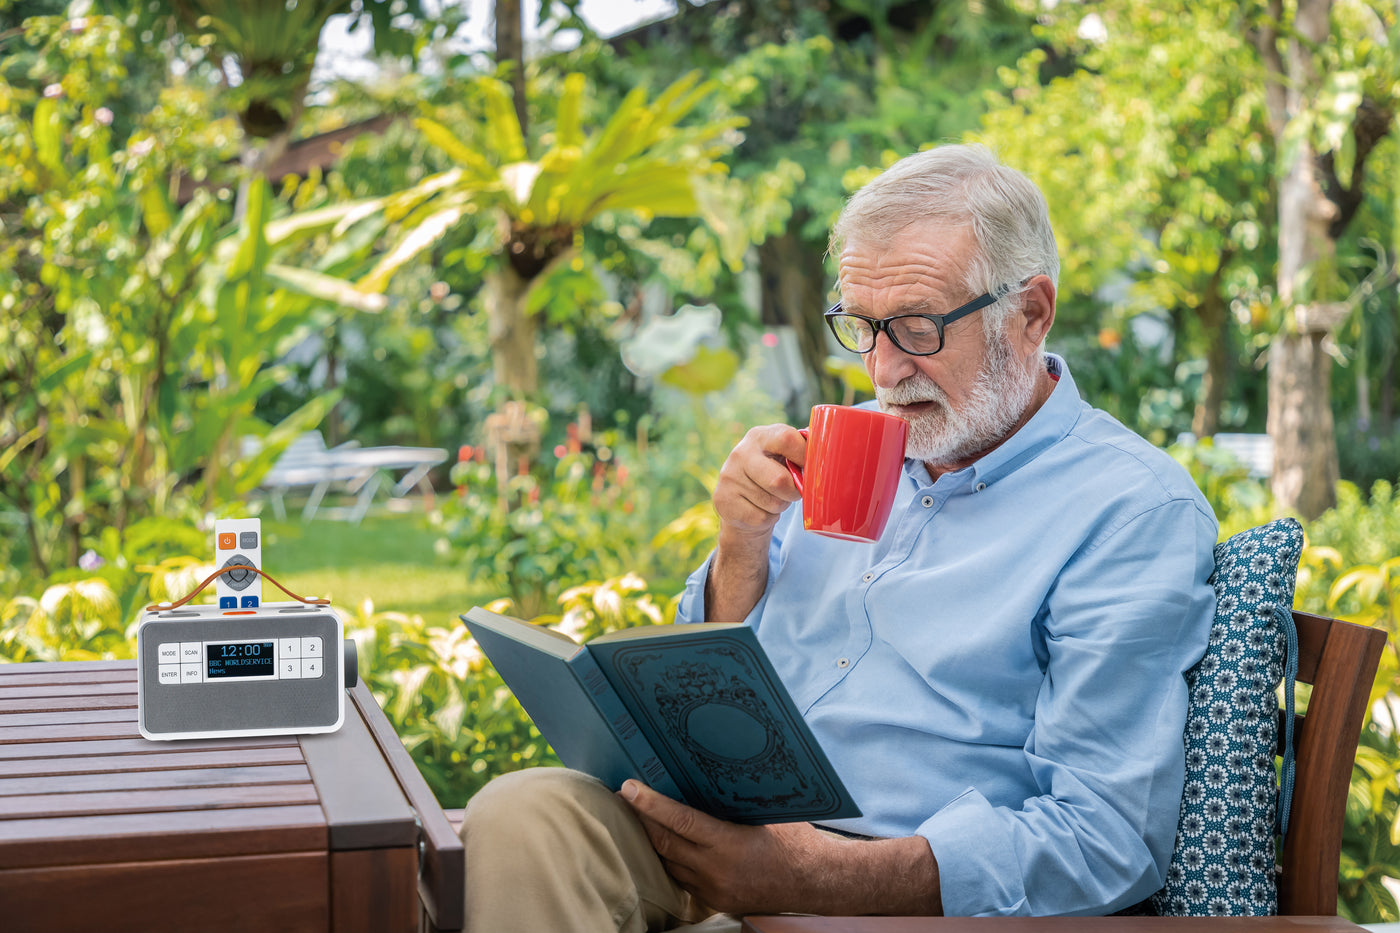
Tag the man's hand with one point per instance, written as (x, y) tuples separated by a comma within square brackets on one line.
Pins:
[(785, 867), (753, 490), (729, 867), (754, 486)]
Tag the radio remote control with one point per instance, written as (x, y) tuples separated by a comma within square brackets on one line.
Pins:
[(238, 541)]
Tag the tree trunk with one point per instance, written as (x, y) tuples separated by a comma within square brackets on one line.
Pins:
[(1214, 315), (512, 332), (510, 50), (1300, 409), (792, 273), (1300, 422)]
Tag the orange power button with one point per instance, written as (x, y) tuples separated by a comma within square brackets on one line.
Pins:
[(228, 541)]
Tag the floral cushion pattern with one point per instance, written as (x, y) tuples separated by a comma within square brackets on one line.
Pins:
[(1223, 864)]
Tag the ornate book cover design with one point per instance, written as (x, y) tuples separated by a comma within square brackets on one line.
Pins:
[(716, 713)]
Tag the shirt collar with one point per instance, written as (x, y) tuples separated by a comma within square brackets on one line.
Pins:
[(1047, 426)]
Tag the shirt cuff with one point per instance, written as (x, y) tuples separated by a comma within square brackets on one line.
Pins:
[(691, 608), (979, 874)]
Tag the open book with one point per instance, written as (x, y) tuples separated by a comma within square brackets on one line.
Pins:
[(694, 711)]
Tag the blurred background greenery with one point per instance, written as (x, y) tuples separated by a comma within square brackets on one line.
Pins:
[(584, 261)]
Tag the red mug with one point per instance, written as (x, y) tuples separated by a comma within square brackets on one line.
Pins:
[(855, 457)]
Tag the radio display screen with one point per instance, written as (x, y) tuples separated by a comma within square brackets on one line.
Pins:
[(240, 659)]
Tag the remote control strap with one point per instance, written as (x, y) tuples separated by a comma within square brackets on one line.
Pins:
[(158, 607)]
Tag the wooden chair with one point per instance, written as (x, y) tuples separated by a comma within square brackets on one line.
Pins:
[(1339, 659)]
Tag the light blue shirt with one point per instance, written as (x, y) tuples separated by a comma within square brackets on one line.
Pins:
[(1002, 672)]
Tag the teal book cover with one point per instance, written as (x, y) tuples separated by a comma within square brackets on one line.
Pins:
[(703, 700)]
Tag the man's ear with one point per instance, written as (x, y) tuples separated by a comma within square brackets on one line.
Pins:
[(1037, 313)]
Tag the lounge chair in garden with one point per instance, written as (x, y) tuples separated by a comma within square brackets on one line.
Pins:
[(308, 464)]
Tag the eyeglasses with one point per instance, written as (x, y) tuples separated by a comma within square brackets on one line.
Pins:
[(915, 334)]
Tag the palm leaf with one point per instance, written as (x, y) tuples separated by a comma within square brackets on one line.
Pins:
[(418, 239), (568, 129), (503, 135), (465, 156), (325, 287)]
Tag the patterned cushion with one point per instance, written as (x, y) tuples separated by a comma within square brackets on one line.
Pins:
[(1224, 859)]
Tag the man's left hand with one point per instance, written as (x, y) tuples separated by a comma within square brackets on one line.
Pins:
[(732, 868)]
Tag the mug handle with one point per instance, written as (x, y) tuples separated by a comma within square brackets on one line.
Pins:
[(793, 468)]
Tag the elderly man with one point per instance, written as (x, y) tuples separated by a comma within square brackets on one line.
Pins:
[(998, 679)]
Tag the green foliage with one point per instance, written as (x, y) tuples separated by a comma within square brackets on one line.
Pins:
[(1366, 457), (1156, 163), (1371, 839), (89, 612), (529, 538), (272, 47), (142, 330), (1349, 570), (77, 618)]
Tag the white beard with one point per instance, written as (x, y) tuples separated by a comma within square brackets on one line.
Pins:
[(944, 435)]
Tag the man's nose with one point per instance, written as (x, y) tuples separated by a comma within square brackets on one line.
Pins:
[(887, 364)]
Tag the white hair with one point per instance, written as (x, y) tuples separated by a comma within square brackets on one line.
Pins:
[(961, 186)]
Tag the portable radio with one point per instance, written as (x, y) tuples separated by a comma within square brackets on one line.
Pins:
[(276, 668)]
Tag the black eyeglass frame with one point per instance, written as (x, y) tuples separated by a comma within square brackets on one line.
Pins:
[(883, 324)]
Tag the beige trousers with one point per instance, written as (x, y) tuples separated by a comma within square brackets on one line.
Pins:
[(553, 850)]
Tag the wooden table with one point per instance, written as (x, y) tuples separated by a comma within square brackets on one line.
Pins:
[(103, 829), (1050, 925)]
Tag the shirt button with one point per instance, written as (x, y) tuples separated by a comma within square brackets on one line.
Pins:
[(843, 663), (981, 486), (928, 502), (867, 578)]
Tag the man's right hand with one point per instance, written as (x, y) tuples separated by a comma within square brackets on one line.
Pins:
[(753, 490), (754, 486)]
